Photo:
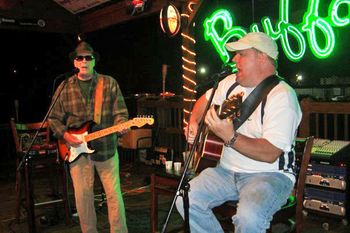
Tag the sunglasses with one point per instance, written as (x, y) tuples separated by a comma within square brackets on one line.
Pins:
[(87, 58)]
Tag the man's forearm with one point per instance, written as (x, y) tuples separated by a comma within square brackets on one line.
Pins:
[(198, 109)]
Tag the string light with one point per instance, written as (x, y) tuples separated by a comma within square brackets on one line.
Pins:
[(188, 37), (189, 89), (185, 123), (188, 61), (188, 69), (188, 51), (189, 100), (187, 112), (188, 79), (190, 6)]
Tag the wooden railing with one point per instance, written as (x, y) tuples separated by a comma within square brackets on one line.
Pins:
[(325, 120)]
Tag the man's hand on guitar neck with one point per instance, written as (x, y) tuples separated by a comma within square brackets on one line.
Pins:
[(123, 131), (71, 139), (222, 128), (196, 116), (190, 132)]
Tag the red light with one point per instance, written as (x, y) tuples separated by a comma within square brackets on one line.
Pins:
[(136, 2)]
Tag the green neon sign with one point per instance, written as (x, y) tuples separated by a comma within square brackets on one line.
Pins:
[(313, 27)]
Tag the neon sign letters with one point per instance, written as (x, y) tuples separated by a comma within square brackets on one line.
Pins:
[(313, 26)]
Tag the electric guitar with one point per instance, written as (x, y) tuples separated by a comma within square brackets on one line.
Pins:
[(212, 146), (71, 154)]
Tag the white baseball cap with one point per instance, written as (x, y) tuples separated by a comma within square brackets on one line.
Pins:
[(257, 40)]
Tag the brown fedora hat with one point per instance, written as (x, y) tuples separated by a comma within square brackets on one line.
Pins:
[(84, 47)]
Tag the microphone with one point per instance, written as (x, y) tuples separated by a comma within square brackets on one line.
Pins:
[(217, 77), (68, 74), (64, 75), (227, 70)]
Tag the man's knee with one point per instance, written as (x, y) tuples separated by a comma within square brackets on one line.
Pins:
[(250, 221)]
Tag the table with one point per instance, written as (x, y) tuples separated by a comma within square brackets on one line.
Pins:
[(162, 182)]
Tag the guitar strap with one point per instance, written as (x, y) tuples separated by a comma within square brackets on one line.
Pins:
[(98, 101), (232, 87), (253, 100)]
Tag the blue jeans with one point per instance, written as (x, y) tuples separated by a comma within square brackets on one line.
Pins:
[(260, 195)]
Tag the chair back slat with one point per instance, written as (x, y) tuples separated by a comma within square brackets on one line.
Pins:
[(23, 134), (325, 120)]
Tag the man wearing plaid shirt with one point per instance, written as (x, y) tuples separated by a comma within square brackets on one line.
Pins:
[(74, 107)]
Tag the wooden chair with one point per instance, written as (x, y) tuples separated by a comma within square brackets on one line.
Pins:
[(43, 156), (291, 212), (328, 120), (168, 127)]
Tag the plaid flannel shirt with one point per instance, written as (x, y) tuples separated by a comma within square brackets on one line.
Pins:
[(72, 110)]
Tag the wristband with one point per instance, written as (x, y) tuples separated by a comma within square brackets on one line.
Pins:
[(232, 141)]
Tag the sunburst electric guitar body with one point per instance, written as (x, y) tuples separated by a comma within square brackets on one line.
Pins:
[(71, 154)]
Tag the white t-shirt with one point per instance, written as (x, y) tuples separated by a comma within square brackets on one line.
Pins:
[(281, 119)]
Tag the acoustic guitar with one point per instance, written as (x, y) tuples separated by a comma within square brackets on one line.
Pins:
[(71, 154), (212, 146)]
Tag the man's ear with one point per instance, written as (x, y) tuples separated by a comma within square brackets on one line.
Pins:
[(263, 56)]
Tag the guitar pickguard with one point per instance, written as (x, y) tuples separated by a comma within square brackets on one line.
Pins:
[(75, 152)]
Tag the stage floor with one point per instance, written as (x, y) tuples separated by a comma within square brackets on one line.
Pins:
[(135, 179)]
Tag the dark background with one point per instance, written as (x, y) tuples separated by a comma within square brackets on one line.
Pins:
[(134, 52)]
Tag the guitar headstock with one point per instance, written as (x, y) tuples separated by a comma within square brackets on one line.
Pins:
[(141, 121), (231, 106)]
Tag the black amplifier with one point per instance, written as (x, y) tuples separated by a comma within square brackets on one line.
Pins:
[(326, 182), (326, 200), (325, 207), (327, 175), (325, 195), (327, 178)]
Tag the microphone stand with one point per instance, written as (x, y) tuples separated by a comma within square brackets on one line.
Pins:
[(184, 186), (24, 158)]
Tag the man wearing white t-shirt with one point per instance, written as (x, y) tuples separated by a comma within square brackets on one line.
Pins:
[(257, 164)]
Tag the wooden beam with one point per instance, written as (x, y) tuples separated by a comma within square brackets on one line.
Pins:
[(114, 14), (58, 19), (24, 17)]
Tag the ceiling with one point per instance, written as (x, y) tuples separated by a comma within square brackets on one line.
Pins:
[(78, 6), (70, 16)]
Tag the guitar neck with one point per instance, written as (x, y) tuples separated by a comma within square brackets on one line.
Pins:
[(107, 131)]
